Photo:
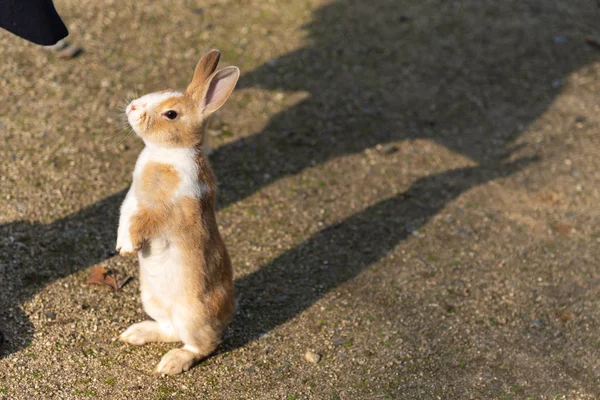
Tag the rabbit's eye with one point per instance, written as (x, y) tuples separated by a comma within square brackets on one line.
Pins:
[(170, 114)]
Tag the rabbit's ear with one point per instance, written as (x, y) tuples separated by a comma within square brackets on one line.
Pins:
[(218, 89), (206, 66)]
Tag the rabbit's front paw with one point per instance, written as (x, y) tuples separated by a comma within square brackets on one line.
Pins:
[(126, 247)]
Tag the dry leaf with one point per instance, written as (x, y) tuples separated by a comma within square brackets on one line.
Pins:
[(107, 277), (563, 229), (564, 315)]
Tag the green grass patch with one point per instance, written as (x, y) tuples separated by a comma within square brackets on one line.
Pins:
[(110, 381)]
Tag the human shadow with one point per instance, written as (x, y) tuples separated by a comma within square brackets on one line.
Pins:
[(467, 75), (295, 280), (470, 77)]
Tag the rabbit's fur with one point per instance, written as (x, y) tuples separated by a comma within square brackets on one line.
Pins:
[(168, 219)]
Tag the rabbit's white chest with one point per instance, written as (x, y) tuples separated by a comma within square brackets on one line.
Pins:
[(183, 160)]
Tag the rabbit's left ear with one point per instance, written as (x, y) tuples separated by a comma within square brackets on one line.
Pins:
[(206, 66), (218, 88)]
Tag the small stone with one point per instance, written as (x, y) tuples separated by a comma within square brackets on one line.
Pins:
[(281, 298), (537, 323), (312, 357), (51, 315), (105, 83), (386, 148), (560, 39), (339, 341), (369, 111)]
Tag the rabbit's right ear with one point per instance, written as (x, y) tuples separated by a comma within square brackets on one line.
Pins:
[(206, 66), (218, 88)]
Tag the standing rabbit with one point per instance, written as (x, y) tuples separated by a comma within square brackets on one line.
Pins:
[(168, 219)]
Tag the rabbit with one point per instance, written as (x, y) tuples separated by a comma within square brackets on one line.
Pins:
[(168, 220)]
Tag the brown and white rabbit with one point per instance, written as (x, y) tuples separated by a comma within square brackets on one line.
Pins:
[(168, 219)]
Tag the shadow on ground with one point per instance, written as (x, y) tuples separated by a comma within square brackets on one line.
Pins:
[(467, 75)]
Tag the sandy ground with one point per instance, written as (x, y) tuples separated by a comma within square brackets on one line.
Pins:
[(407, 188)]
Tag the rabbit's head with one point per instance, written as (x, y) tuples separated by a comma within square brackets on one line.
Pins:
[(174, 119)]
